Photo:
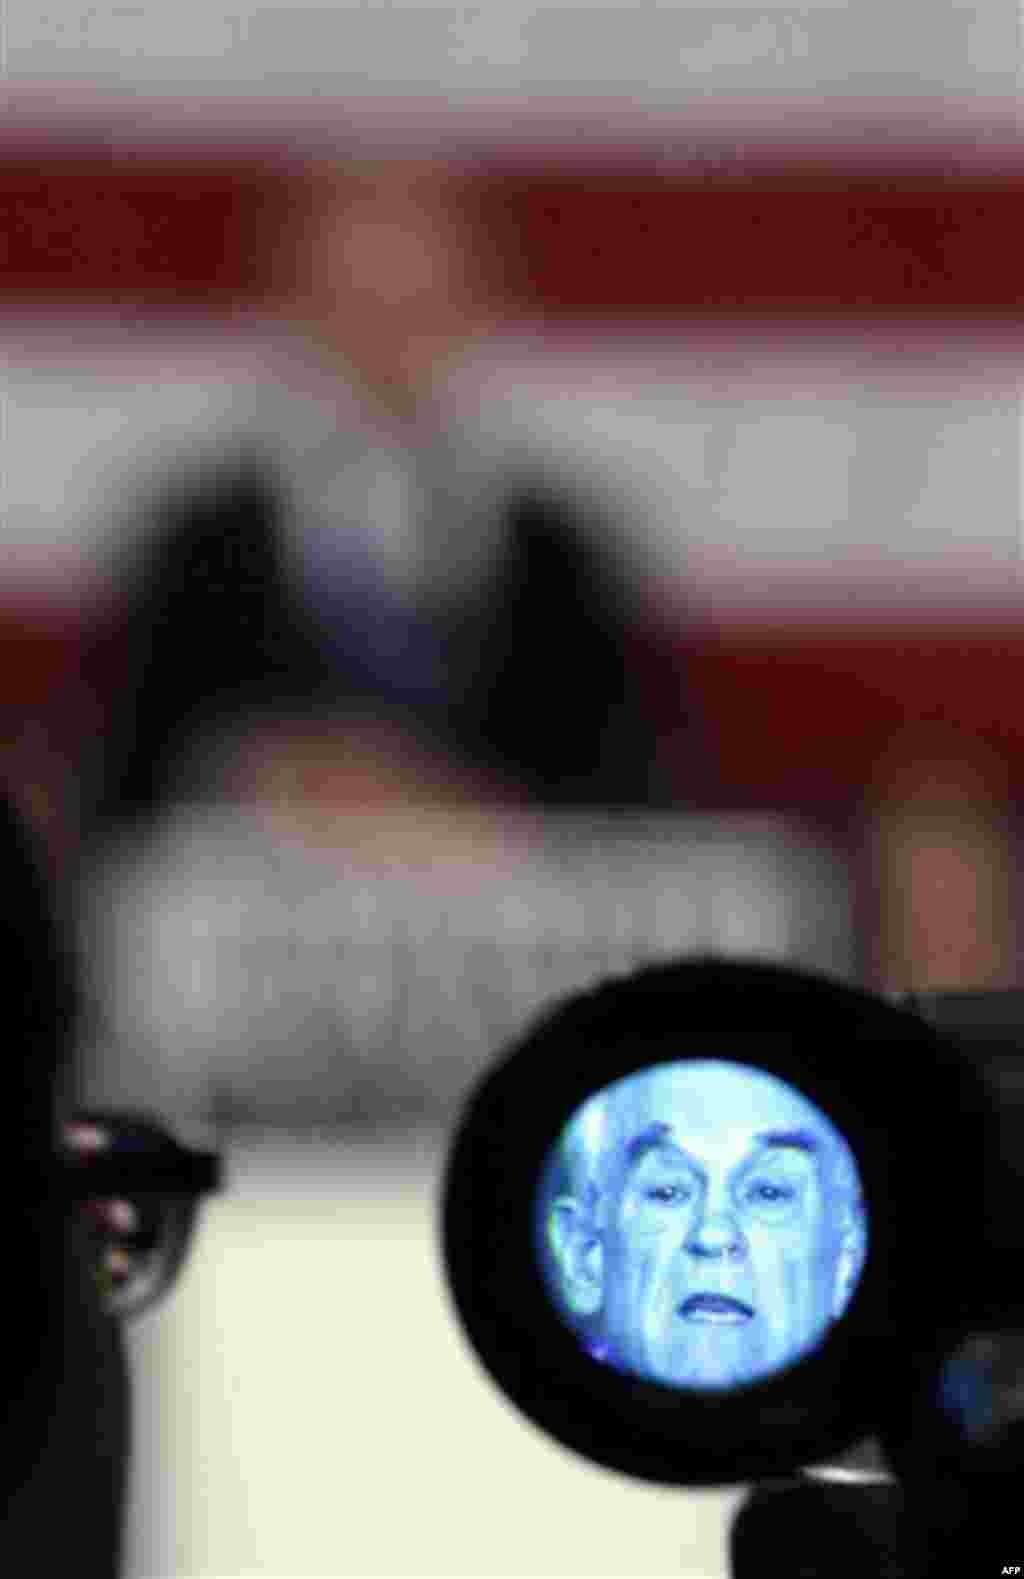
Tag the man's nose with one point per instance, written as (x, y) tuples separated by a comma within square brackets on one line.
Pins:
[(717, 1235)]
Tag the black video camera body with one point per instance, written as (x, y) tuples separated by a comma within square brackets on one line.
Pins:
[(718, 1222)]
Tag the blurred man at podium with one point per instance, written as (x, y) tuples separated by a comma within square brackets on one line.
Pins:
[(367, 553)]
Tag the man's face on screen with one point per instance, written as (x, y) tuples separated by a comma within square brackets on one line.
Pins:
[(720, 1233)]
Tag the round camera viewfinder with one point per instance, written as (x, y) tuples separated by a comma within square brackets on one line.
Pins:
[(689, 1224)]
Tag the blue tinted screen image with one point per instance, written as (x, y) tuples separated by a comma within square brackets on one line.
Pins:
[(701, 1224)]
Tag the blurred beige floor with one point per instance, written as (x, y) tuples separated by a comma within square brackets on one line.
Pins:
[(305, 1405)]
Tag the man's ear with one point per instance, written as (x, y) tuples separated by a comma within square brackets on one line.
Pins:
[(579, 1255), (853, 1249)]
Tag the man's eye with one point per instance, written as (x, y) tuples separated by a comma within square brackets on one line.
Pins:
[(669, 1194), (765, 1194)]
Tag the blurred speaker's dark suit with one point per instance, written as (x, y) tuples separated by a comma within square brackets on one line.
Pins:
[(530, 679)]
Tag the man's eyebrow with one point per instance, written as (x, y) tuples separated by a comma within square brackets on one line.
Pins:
[(799, 1139), (652, 1138)]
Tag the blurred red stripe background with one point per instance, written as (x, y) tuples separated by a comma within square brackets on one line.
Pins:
[(862, 235)]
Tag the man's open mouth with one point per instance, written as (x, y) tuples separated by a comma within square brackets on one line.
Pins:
[(715, 1308)]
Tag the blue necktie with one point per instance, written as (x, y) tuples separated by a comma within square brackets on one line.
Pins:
[(366, 625)]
